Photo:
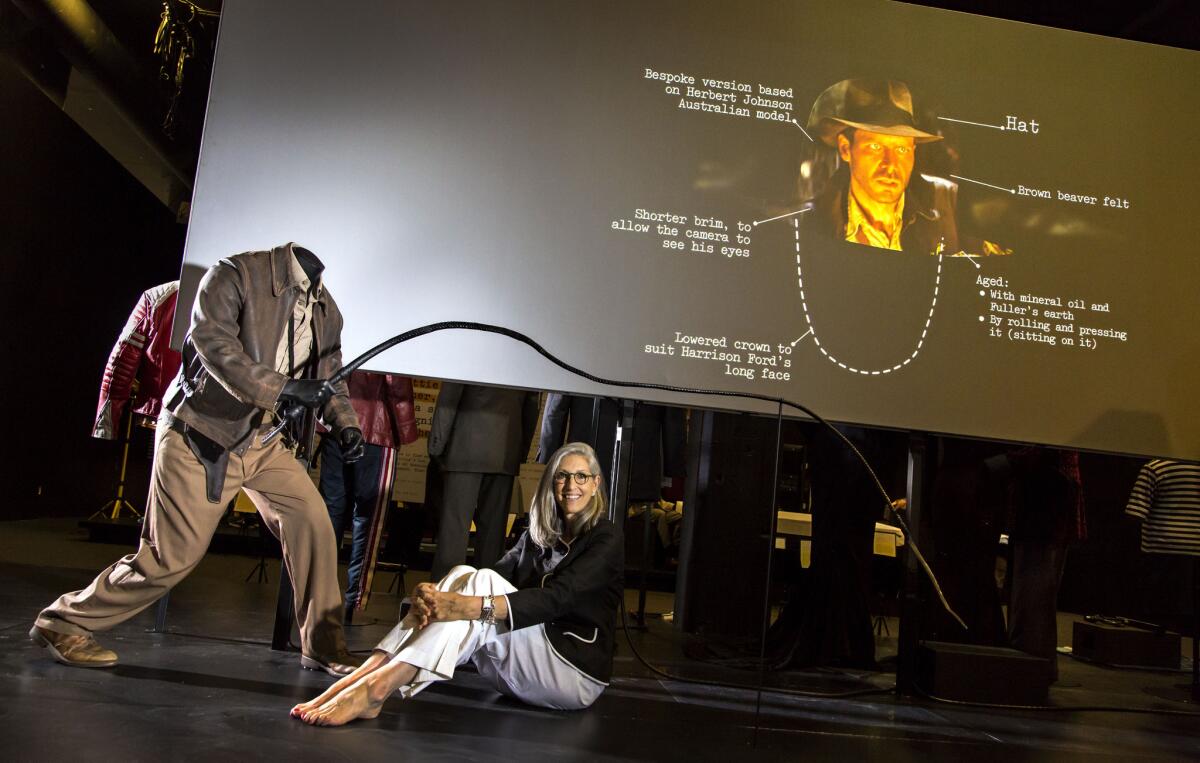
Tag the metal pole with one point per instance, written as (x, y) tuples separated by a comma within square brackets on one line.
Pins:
[(284, 614), (911, 599), (1196, 629)]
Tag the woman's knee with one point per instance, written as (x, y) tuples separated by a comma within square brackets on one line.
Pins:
[(456, 578), (467, 580), (487, 581)]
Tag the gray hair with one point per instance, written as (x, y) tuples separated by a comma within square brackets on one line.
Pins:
[(545, 518)]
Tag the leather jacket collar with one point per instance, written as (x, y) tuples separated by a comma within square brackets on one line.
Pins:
[(283, 276)]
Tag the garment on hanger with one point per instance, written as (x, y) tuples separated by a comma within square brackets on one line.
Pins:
[(1166, 497), (142, 357)]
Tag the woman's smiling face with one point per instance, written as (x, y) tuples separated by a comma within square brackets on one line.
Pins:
[(573, 497)]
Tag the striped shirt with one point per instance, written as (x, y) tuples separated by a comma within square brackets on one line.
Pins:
[(1166, 497)]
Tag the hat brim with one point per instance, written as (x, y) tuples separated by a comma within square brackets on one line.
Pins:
[(831, 127)]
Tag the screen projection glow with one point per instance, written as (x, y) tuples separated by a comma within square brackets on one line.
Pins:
[(638, 187)]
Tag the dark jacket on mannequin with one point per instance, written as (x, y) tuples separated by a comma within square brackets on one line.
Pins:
[(482, 429)]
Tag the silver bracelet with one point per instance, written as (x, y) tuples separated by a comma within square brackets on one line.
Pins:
[(487, 613)]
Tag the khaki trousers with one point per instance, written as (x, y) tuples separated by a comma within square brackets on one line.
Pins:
[(180, 523)]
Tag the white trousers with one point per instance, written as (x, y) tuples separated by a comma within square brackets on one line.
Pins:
[(521, 664)]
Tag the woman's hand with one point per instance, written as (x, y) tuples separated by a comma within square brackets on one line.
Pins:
[(434, 606)]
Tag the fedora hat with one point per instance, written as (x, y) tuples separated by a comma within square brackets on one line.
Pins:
[(875, 105)]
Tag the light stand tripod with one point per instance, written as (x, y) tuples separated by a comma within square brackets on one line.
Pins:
[(118, 504)]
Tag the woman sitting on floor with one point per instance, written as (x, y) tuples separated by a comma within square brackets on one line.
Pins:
[(539, 626)]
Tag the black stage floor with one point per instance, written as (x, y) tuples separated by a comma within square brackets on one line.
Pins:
[(211, 688)]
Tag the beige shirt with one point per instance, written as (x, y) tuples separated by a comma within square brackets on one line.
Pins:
[(861, 228), (302, 320)]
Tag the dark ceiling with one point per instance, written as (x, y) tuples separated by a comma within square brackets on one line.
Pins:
[(1163, 22)]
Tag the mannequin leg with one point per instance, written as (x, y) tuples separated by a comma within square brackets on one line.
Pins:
[(459, 498), (180, 522), (366, 486), (294, 512), (491, 518)]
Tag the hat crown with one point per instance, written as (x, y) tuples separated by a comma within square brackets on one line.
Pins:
[(868, 94), (878, 105)]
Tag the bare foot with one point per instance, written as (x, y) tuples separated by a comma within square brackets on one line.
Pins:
[(350, 704), (374, 662)]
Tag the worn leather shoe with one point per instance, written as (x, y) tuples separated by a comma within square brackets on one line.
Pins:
[(77, 651), (336, 666)]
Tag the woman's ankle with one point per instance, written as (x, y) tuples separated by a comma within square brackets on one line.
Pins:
[(382, 684)]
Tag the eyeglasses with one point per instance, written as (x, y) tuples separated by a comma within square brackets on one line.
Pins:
[(580, 477)]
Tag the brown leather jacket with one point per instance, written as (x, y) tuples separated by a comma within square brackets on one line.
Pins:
[(228, 379)]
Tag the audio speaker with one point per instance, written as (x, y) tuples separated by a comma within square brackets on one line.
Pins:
[(1125, 645), (970, 673)]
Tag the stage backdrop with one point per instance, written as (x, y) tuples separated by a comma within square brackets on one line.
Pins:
[(631, 184)]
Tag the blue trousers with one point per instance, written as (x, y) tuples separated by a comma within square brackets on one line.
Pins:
[(351, 492)]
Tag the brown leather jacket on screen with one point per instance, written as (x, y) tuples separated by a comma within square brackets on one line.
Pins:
[(228, 379)]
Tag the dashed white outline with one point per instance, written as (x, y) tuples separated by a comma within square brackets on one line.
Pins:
[(937, 282)]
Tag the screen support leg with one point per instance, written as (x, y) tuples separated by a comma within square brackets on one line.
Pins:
[(160, 614), (1196, 629), (284, 616), (912, 598), (618, 506)]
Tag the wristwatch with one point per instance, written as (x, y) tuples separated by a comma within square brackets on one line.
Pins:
[(487, 613)]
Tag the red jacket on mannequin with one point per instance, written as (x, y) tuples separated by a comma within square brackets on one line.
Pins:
[(384, 404), (141, 356)]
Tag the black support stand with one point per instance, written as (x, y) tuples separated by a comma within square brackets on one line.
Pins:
[(594, 429), (618, 505), (118, 504), (160, 614), (1196, 629), (619, 474), (647, 561), (284, 614), (911, 598)]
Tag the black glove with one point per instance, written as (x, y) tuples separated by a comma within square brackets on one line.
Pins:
[(353, 444), (310, 393)]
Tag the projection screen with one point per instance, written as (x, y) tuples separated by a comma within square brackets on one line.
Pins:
[(645, 189)]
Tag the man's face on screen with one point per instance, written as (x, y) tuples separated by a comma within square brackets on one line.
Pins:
[(880, 165)]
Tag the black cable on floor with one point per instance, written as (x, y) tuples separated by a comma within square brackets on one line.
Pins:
[(1057, 708), (745, 687)]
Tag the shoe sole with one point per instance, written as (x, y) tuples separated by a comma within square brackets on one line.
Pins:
[(37, 638), (308, 663)]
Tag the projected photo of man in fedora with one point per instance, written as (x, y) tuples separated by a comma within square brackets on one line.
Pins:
[(874, 198)]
